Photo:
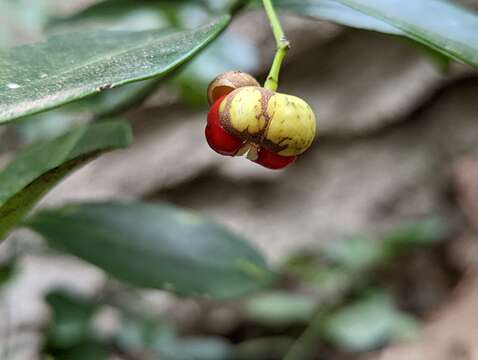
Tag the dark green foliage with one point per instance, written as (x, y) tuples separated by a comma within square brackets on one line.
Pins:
[(156, 246)]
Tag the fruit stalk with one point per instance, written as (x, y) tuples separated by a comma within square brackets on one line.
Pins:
[(283, 45)]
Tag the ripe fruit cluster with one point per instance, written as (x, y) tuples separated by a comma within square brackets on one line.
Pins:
[(271, 128)]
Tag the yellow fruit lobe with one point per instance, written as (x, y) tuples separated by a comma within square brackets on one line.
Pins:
[(284, 124), (292, 126), (245, 111)]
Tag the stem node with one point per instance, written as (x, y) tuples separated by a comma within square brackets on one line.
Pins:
[(283, 45)]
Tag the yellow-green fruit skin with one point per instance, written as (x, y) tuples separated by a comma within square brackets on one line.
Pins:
[(244, 111), (292, 125), (284, 124)]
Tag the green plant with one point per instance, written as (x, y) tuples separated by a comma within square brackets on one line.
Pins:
[(110, 72), (339, 300)]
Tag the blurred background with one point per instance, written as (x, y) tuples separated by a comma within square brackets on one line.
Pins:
[(373, 230)]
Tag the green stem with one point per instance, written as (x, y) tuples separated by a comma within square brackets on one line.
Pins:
[(283, 45)]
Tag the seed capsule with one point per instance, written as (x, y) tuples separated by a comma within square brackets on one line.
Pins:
[(273, 161), (227, 83), (272, 128), (283, 124), (217, 137)]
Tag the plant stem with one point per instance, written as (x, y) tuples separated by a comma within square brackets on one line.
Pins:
[(283, 45)]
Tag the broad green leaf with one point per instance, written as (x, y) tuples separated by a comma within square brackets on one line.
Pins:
[(334, 11), (116, 101), (38, 77), (368, 323), (39, 168), (137, 14), (156, 246), (440, 24), (229, 52), (108, 104)]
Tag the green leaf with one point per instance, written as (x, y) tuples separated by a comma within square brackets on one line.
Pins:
[(439, 24), (280, 309), (70, 322), (137, 14), (89, 350), (39, 168), (420, 233), (368, 323), (45, 126), (117, 101), (156, 246), (196, 348), (229, 52), (108, 104), (356, 253), (332, 10), (7, 270), (38, 77), (137, 335)]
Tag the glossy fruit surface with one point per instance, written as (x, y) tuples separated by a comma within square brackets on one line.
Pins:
[(283, 124), (273, 161), (272, 129), (217, 137)]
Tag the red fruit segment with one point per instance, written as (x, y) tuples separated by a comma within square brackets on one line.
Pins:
[(273, 161), (217, 137)]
